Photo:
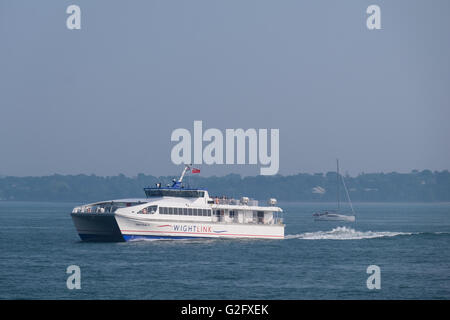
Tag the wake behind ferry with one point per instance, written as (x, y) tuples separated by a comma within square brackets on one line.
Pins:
[(175, 212)]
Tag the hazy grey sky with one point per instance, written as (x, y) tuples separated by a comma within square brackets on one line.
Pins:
[(105, 99)]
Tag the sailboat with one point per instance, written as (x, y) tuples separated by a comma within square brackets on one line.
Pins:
[(337, 215)]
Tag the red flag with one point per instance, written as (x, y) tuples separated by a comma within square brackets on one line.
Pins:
[(195, 170)]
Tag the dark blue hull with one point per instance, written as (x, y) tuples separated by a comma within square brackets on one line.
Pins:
[(97, 227)]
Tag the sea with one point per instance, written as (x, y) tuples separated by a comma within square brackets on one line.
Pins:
[(408, 243)]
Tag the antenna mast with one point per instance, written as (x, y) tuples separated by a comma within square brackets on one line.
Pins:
[(186, 169)]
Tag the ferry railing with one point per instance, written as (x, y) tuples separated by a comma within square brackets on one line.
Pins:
[(236, 202), (252, 221), (94, 209), (226, 201)]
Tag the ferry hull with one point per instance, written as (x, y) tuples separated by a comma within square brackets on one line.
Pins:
[(133, 228), (97, 227)]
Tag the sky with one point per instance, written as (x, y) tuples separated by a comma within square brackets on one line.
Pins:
[(105, 99)]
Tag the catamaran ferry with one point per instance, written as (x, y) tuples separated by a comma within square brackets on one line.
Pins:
[(175, 212)]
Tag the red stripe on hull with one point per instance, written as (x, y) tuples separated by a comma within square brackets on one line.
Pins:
[(226, 234)]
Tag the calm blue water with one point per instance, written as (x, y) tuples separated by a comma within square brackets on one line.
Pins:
[(318, 260)]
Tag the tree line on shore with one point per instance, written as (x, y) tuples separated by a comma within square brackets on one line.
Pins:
[(416, 186)]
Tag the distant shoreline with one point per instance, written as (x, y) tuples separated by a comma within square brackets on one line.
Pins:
[(424, 186)]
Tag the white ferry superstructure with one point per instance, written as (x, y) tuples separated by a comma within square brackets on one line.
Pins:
[(175, 212)]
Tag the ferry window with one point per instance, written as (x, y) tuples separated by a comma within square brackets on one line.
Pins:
[(175, 211), (152, 209), (165, 211), (185, 211), (209, 213), (190, 211), (232, 214), (170, 210), (167, 192)]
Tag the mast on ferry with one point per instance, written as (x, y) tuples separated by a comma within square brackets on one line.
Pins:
[(186, 169), (177, 183)]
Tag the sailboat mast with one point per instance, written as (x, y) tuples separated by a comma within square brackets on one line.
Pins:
[(337, 175)]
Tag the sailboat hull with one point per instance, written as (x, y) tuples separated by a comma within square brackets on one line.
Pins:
[(334, 217)]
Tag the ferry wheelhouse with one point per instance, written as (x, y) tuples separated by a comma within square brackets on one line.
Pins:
[(175, 212)]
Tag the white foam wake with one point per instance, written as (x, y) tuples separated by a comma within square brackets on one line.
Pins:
[(344, 233)]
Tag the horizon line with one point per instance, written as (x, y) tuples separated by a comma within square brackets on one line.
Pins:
[(2, 176)]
